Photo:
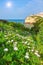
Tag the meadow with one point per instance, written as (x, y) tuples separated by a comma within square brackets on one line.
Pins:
[(20, 45)]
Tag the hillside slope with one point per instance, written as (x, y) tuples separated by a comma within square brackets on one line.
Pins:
[(17, 45)]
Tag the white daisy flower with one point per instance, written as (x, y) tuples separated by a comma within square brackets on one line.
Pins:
[(27, 55), (6, 49), (15, 48), (11, 40), (29, 47), (37, 54), (32, 50), (15, 43), (25, 42)]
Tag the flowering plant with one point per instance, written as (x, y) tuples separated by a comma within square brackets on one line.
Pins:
[(16, 46)]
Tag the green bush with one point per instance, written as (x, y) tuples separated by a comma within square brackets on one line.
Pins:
[(17, 47)]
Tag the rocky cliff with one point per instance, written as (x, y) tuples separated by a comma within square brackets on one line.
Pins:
[(30, 20)]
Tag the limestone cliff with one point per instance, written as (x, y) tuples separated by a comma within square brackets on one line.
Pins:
[(30, 20)]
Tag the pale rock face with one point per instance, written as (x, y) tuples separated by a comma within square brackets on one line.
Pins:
[(29, 25), (30, 20), (40, 14)]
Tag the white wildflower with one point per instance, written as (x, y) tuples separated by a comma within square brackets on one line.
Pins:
[(37, 54), (25, 42), (28, 47), (27, 55), (6, 49), (11, 40), (15, 48), (18, 35), (15, 43), (32, 50)]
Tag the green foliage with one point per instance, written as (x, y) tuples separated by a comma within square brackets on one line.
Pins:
[(37, 34), (18, 47)]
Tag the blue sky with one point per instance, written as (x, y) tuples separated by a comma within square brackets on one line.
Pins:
[(20, 9)]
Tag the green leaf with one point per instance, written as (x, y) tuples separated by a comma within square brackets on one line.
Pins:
[(7, 57)]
